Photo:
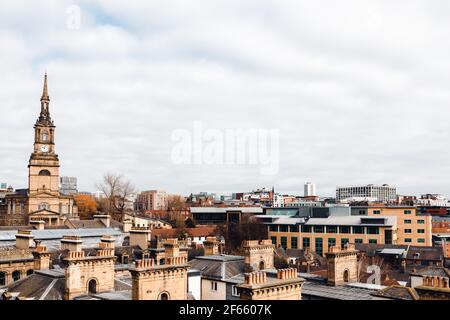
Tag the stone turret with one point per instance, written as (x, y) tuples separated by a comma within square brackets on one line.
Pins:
[(152, 281), (342, 264), (88, 274), (259, 255)]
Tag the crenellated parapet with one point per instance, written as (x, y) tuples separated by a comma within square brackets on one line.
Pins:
[(258, 286)]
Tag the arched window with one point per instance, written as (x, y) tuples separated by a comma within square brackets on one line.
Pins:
[(261, 265), (346, 276), (45, 136), (30, 272), (164, 296), (2, 279), (92, 286), (44, 206), (16, 275), (44, 173)]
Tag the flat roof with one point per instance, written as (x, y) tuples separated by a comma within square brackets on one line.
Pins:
[(224, 210), (352, 221), (288, 220), (322, 290), (10, 235), (387, 207), (221, 257), (393, 251)]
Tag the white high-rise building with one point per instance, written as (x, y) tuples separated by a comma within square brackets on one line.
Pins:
[(384, 193), (310, 189)]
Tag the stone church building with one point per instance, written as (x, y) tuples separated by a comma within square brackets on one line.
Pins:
[(42, 201)]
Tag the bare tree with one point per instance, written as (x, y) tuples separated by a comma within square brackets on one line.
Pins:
[(248, 228), (175, 206), (117, 191)]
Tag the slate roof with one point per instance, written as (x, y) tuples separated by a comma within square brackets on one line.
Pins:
[(42, 285), (219, 267), (433, 271), (397, 293), (50, 285), (87, 224), (321, 290), (10, 235), (424, 253)]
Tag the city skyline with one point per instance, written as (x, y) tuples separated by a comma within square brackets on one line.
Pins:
[(353, 114)]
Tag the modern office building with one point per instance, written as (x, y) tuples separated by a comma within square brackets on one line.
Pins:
[(384, 193), (317, 229), (222, 215), (413, 227)]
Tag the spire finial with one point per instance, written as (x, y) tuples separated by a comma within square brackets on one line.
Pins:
[(45, 90)]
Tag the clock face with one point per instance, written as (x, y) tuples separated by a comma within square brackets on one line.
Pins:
[(44, 148)]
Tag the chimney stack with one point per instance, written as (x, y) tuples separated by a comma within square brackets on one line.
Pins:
[(171, 248), (103, 218), (24, 239), (127, 224), (139, 236), (211, 246), (71, 243), (38, 225), (41, 258)]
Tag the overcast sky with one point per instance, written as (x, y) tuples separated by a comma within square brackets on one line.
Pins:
[(358, 90)]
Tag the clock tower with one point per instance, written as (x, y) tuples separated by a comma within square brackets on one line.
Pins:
[(42, 201), (43, 167)]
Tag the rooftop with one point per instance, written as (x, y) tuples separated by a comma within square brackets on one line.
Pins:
[(397, 293), (319, 289), (225, 209), (10, 235), (353, 221), (219, 267)]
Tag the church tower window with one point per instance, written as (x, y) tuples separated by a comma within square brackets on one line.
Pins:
[(44, 173)]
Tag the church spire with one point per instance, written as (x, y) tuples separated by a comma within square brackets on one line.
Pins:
[(45, 90), (44, 117)]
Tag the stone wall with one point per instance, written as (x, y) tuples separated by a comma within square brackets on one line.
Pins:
[(160, 282)]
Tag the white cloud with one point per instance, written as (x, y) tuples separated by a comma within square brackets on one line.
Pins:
[(358, 90)]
